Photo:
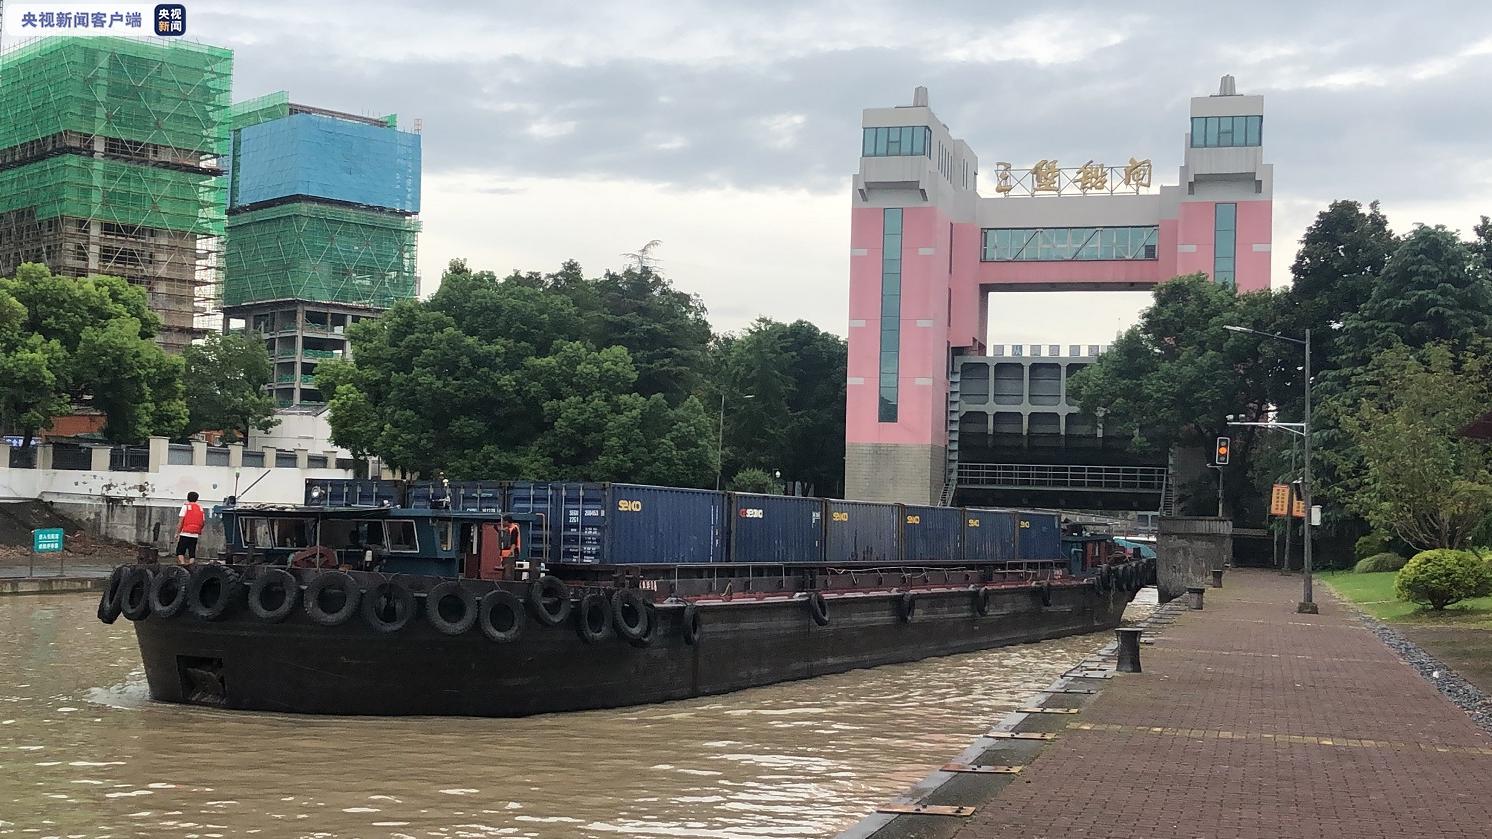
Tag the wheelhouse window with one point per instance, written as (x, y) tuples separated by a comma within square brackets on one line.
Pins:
[(401, 533)]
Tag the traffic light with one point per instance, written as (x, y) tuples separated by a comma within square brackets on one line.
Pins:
[(1223, 445)]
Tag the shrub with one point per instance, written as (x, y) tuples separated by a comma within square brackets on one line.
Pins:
[(752, 479), (1370, 545), (1380, 562), (1437, 578)]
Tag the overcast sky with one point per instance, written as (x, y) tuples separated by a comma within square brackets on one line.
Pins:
[(729, 131)]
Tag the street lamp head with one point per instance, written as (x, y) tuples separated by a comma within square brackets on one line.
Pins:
[(1231, 328)]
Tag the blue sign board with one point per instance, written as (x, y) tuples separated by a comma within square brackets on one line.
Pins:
[(47, 540)]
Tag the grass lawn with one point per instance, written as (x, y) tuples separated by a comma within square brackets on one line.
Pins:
[(1375, 594)]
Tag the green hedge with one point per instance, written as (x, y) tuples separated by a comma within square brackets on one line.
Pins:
[(1380, 562), (1437, 578)]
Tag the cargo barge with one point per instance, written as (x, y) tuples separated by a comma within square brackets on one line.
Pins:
[(519, 599)]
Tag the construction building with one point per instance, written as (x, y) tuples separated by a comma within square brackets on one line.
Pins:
[(321, 231), (110, 163)]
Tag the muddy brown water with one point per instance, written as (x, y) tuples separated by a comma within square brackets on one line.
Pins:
[(84, 752)]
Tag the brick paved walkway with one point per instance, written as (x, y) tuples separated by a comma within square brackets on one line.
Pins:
[(1253, 721)]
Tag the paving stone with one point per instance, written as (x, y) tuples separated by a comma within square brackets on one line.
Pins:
[(1254, 722)]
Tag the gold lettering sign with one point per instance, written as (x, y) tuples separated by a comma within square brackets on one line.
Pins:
[(1003, 183), (1044, 176), (1137, 173), (1093, 176)]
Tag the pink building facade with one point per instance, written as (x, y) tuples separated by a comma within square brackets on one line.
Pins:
[(928, 251)]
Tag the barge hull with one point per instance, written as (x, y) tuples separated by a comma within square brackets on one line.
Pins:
[(298, 666)]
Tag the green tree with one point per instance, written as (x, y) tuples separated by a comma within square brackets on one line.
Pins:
[(225, 379), (793, 421), (664, 330), (1420, 479), (1172, 379), (498, 378), (69, 342), (1432, 289)]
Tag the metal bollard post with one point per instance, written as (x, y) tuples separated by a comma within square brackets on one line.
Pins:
[(1194, 597), (1217, 578), (1129, 649)]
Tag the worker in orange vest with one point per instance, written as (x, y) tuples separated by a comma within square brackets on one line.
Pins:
[(190, 530), (512, 539)]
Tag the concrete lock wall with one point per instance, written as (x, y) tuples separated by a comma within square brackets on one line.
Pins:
[(1188, 549), (142, 507)]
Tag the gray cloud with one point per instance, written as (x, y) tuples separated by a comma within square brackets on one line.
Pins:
[(1346, 115)]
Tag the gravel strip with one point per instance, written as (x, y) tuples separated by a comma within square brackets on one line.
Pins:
[(1465, 695)]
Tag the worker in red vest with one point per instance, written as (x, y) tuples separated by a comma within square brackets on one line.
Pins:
[(192, 519)]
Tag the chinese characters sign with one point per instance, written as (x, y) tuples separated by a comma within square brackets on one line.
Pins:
[(1046, 176), (31, 20)]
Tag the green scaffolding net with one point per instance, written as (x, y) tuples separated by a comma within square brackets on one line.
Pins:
[(175, 94), (309, 251), (113, 191)]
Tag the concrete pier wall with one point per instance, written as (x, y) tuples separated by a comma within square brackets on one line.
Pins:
[(1187, 549)]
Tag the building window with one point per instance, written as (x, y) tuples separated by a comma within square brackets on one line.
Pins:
[(1057, 244), (890, 312), (1226, 132), (1225, 244), (903, 141)]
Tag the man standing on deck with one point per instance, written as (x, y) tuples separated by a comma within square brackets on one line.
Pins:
[(190, 529)]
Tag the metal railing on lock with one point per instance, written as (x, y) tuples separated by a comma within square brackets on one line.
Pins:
[(1058, 476)]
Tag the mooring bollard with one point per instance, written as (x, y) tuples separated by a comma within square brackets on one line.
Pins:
[(1194, 597), (1129, 649), (1217, 578)]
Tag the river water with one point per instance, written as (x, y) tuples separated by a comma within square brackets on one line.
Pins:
[(85, 753)]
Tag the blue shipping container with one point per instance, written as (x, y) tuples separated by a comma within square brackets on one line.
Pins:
[(932, 534), (471, 496), (350, 492), (663, 526), (1038, 536), (861, 531), (572, 518), (775, 528), (989, 535)]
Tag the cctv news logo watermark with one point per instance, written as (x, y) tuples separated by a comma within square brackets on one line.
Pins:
[(33, 20)]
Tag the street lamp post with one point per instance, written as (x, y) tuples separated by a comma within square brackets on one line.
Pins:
[(720, 440), (1307, 604)]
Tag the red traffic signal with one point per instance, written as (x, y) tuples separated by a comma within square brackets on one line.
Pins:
[(1224, 447)]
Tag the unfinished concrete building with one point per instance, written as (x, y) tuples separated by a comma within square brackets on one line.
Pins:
[(321, 231), (110, 163)]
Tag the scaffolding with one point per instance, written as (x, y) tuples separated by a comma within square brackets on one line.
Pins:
[(109, 163), (320, 252)]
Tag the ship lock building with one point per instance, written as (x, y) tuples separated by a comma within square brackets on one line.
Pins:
[(928, 249)]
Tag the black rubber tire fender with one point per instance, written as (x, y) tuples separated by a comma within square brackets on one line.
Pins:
[(268, 581), (501, 602), (647, 639), (1044, 591), (389, 606), (134, 594), (692, 627), (108, 602), (168, 593), (593, 618), (818, 608), (446, 594), (549, 590), (342, 582), (629, 611), (212, 591), (981, 601), (906, 606)]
